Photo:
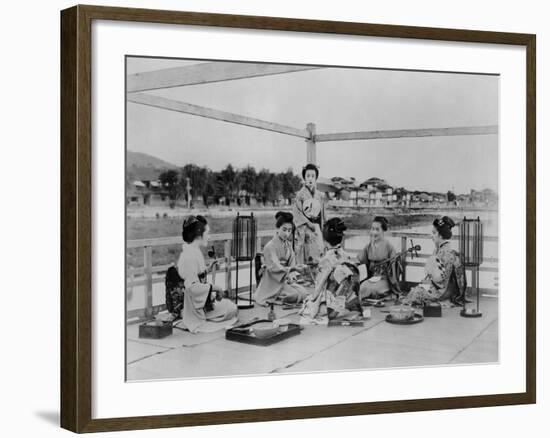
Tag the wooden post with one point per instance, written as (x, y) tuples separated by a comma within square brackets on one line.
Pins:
[(227, 255), (188, 190), (404, 248), (311, 145), (258, 244), (214, 271), (148, 270), (258, 250)]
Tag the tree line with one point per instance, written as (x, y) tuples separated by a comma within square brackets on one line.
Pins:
[(231, 184)]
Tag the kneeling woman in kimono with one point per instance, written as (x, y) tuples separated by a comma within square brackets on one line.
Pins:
[(279, 278), (204, 309), (376, 251), (336, 295), (445, 276)]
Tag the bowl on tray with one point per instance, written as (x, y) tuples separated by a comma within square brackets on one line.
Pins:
[(402, 312), (265, 329)]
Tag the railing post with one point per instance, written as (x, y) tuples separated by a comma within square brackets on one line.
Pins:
[(404, 248), (148, 269), (227, 255), (258, 244), (214, 271)]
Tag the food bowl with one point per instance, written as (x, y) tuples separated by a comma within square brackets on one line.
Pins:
[(265, 329), (401, 312)]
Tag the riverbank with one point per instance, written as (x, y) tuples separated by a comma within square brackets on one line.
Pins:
[(157, 227), (149, 228)]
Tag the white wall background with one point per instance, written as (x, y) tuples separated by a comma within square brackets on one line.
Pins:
[(29, 219)]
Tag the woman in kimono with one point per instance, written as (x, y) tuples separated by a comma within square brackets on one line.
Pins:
[(279, 278), (308, 218), (445, 276), (336, 295), (376, 251), (204, 309)]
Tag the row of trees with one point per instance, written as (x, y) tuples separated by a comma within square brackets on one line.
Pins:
[(230, 184)]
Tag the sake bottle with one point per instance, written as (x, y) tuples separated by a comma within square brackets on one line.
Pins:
[(271, 314)]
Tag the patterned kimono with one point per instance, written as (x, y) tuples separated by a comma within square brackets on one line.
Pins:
[(445, 277), (336, 293), (377, 276), (195, 318), (309, 209), (278, 258)]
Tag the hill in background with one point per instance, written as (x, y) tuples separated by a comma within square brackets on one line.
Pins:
[(145, 167), (140, 159)]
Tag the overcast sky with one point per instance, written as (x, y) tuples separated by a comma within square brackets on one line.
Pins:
[(336, 100)]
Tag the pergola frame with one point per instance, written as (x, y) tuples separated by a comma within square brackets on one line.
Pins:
[(210, 72)]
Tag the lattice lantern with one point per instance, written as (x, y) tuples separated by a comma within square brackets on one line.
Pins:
[(244, 250), (471, 254), (471, 242)]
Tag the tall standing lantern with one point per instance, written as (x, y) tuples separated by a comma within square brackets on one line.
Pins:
[(244, 251), (471, 253)]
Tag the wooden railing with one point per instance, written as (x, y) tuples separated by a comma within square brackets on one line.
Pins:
[(148, 275)]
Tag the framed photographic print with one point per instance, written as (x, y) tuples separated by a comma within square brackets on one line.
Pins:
[(325, 218)]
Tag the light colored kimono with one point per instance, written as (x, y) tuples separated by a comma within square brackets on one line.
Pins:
[(371, 255), (192, 269), (309, 208), (278, 259), (336, 290), (445, 277)]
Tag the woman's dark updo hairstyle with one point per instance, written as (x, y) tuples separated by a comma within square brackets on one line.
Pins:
[(283, 217), (382, 221), (193, 227), (310, 167), (443, 225), (333, 231)]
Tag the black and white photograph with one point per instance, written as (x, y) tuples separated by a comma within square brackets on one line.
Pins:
[(287, 218)]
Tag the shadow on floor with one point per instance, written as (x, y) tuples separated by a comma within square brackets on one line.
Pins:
[(51, 417)]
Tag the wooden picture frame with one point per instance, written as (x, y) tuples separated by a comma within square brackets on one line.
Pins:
[(76, 217)]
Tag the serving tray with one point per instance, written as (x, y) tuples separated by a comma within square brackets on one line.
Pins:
[(243, 333)]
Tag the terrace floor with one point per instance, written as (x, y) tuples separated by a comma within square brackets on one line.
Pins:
[(450, 339)]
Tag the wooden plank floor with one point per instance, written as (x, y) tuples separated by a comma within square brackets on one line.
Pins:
[(436, 341)]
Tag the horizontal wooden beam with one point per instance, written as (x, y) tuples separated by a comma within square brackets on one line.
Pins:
[(209, 113), (176, 240), (205, 73), (406, 133)]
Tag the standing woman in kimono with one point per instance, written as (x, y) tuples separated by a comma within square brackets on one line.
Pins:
[(445, 276), (204, 309), (279, 278), (376, 251), (309, 212)]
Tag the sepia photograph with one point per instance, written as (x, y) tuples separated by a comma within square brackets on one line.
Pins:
[(285, 218)]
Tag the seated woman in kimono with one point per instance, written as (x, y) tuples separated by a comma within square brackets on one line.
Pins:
[(279, 278), (308, 217), (376, 251), (204, 309), (445, 276), (336, 295)]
